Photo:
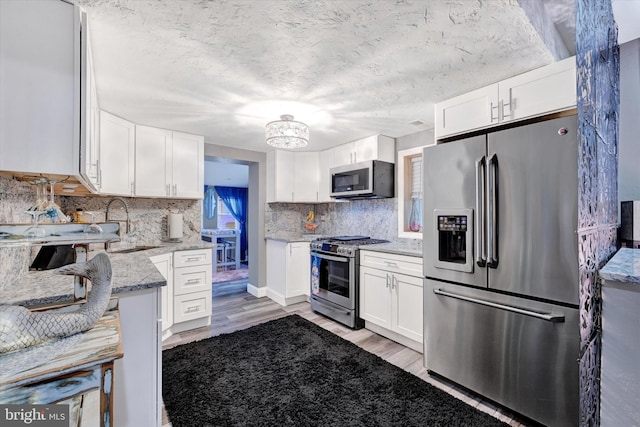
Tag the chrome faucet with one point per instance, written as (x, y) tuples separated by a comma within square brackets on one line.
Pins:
[(126, 208)]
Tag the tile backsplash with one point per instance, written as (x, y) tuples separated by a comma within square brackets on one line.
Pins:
[(148, 219), (377, 218)]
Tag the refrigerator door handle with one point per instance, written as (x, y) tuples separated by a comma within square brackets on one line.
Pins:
[(481, 256), (549, 317), (492, 244)]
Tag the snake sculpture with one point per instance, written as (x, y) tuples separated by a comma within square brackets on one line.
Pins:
[(21, 327)]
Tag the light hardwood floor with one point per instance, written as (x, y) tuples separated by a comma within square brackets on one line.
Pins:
[(234, 309)]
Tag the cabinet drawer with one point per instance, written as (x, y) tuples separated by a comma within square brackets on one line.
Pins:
[(403, 264), (192, 279), (191, 306), (189, 258)]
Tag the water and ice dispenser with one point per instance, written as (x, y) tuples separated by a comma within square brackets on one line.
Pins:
[(454, 242)]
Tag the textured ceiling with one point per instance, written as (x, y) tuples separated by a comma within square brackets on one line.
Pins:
[(349, 68)]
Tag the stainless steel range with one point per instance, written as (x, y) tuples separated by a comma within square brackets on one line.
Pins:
[(335, 263)]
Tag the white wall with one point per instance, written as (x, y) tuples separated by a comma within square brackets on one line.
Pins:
[(629, 141), (226, 174)]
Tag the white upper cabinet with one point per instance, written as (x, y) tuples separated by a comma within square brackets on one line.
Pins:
[(117, 139), (280, 176), (538, 92), (307, 176), (472, 110), (541, 91), (293, 176), (40, 87), (153, 162), (187, 166), (90, 119), (168, 164), (324, 181), (375, 147)]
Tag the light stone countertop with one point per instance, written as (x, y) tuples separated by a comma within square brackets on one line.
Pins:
[(623, 267), (395, 248), (293, 237), (131, 272), (399, 248)]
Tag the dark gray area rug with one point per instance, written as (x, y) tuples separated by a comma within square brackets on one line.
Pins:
[(291, 372)]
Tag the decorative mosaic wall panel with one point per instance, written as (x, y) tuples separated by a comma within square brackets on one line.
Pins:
[(598, 71)]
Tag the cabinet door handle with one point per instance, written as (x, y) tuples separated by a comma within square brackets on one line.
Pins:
[(387, 280), (191, 259), (167, 190), (132, 186), (192, 309), (494, 107), (391, 264), (507, 104), (191, 281), (394, 282), (175, 189)]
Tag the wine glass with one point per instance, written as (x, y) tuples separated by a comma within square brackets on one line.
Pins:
[(35, 231), (93, 227)]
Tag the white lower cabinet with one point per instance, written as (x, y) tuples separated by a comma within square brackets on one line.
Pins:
[(186, 300), (391, 302), (164, 264), (288, 271), (620, 366), (192, 272), (138, 375)]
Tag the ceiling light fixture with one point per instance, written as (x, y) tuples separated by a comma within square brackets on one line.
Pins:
[(287, 133)]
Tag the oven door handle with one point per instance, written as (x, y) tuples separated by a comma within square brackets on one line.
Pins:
[(327, 307), (330, 258)]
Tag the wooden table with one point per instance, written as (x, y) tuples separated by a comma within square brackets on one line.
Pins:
[(66, 368)]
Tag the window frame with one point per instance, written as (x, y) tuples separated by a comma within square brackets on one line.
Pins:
[(404, 191)]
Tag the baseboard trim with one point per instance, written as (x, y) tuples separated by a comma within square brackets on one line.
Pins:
[(394, 336), (285, 301), (190, 324), (256, 291)]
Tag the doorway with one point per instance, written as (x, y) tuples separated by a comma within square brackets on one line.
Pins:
[(224, 218)]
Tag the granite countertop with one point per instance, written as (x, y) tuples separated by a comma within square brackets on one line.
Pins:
[(131, 272), (395, 248), (293, 237), (399, 248), (623, 267)]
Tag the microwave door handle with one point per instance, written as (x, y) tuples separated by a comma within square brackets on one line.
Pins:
[(492, 255), (481, 166)]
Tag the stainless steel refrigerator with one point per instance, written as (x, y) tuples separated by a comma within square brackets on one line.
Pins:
[(501, 267)]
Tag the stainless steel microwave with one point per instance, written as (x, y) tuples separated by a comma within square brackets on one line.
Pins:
[(364, 180)]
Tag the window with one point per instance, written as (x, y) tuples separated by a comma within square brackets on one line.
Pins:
[(225, 219), (410, 203)]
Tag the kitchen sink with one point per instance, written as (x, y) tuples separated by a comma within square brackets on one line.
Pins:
[(129, 250)]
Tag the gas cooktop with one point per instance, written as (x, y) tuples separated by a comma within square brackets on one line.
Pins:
[(351, 240), (343, 245)]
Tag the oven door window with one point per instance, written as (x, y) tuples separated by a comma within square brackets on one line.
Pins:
[(333, 279)]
